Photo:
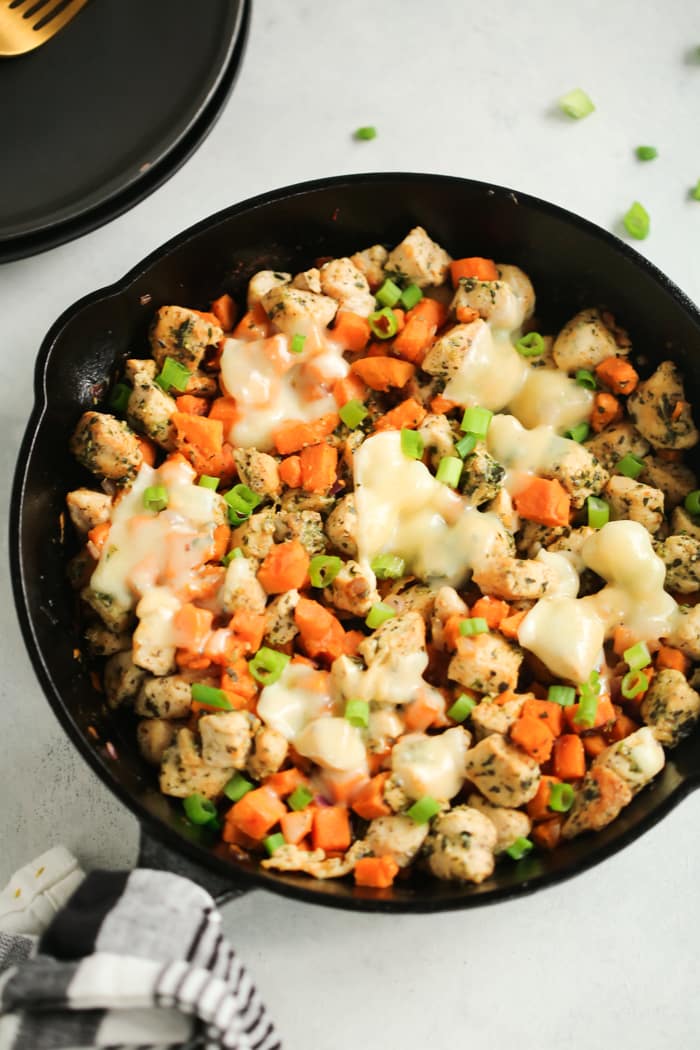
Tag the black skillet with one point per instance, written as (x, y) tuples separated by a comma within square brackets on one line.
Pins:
[(572, 264)]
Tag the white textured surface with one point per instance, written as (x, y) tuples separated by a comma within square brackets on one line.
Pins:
[(465, 90)]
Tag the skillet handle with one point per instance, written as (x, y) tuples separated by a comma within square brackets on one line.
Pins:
[(155, 854)]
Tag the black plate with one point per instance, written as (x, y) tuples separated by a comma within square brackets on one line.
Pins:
[(108, 110), (572, 264)]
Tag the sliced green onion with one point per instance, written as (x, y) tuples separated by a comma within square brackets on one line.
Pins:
[(449, 471), (411, 443), (198, 809), (209, 695), (273, 842), (297, 344), (530, 345), (237, 787), (646, 152), (174, 375), (228, 558), (564, 695), (466, 445), (637, 656), (267, 665), (379, 614), (630, 465), (598, 512), (473, 625), (587, 379), (636, 221), (383, 323), (352, 413), (423, 810), (389, 293), (299, 798), (561, 797), (357, 713), (323, 569), (579, 433), (155, 497), (576, 104), (411, 296), (461, 708), (366, 133), (388, 566), (241, 501), (634, 684), (206, 481), (587, 708), (476, 420), (520, 848), (692, 502), (119, 398), (695, 192)]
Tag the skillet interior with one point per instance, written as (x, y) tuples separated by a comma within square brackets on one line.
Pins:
[(571, 263)]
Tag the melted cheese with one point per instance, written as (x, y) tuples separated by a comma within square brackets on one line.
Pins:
[(565, 634), (490, 374), (431, 765), (402, 509), (293, 701), (523, 451), (549, 397), (271, 385), (395, 681), (332, 743)]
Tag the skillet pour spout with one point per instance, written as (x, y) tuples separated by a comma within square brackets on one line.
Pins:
[(572, 264)]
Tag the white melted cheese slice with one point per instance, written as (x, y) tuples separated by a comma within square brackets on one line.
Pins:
[(431, 765)]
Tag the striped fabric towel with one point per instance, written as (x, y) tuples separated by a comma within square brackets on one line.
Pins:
[(133, 959)]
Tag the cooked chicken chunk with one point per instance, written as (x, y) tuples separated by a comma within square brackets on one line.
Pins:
[(533, 537), (675, 480), (444, 358), (303, 525), (122, 679), (597, 802), (150, 409), (522, 287), (447, 603), (684, 524), (418, 259), (341, 526), (154, 736), (316, 863), (184, 772), (498, 302), (134, 365), (292, 310), (280, 626), (634, 501), (614, 443), (371, 263), (258, 471), (341, 280), (570, 541), (385, 727), (482, 476), (486, 663), (106, 446), (681, 556), (169, 697), (241, 587), (584, 342), (686, 631), (660, 412), (269, 752), (636, 759), (671, 707), (579, 472), (308, 280), (461, 845), (265, 281), (488, 717), (354, 589), (407, 595), (515, 578), (153, 648), (88, 509), (504, 774), (394, 640), (114, 616), (183, 335), (256, 536), (438, 438), (510, 824), (103, 642), (227, 738), (397, 837)]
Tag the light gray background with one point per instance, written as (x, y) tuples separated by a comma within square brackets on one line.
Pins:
[(464, 89)]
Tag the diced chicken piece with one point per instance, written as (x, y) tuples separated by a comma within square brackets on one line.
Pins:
[(280, 626), (488, 717), (154, 736), (256, 536), (681, 556), (635, 501), (533, 537), (499, 302), (675, 480), (227, 738), (371, 262), (354, 589), (202, 385), (438, 438), (597, 802), (341, 526), (408, 595), (636, 759), (660, 412), (184, 772), (686, 631), (614, 443), (397, 837), (394, 794), (394, 640), (502, 506), (88, 509), (303, 525), (418, 259), (269, 752), (134, 365), (584, 342), (122, 679), (258, 471), (153, 646), (671, 707), (504, 774), (308, 281), (515, 578), (106, 446), (183, 335), (341, 280), (150, 410), (241, 587), (461, 845), (482, 476), (684, 524), (522, 287), (79, 570), (169, 697), (265, 281), (316, 863), (114, 616), (444, 358), (293, 500), (510, 824), (447, 603), (292, 310), (486, 663), (580, 473), (384, 729), (103, 642), (571, 541)]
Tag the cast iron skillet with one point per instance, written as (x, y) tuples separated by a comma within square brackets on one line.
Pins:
[(572, 264)]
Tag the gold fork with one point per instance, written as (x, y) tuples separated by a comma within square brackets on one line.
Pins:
[(26, 24)]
